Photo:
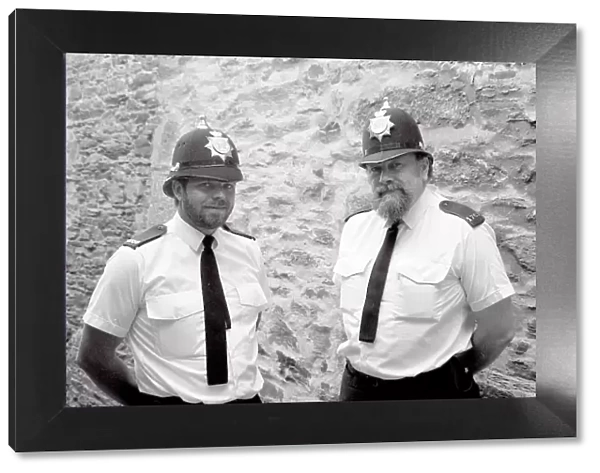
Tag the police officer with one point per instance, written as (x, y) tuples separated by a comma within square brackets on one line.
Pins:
[(425, 298), (186, 296)]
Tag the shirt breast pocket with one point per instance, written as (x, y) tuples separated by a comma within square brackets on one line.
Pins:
[(353, 279), (419, 285), (178, 324), (251, 299), (251, 294)]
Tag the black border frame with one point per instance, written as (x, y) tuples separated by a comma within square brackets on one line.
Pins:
[(39, 420)]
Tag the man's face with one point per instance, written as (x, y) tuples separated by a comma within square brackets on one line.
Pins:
[(397, 184), (207, 203)]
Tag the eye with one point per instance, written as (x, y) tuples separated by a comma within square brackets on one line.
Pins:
[(374, 170), (228, 186)]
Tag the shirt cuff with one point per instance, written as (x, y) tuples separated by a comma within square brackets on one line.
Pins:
[(502, 293), (101, 324)]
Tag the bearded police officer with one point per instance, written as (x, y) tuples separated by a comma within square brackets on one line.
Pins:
[(186, 296), (425, 298)]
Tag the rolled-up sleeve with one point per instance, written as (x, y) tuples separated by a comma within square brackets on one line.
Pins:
[(115, 301), (482, 272)]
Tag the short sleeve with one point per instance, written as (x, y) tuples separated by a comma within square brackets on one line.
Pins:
[(341, 253), (262, 275), (481, 269), (116, 298)]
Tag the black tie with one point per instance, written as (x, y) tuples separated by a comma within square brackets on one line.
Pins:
[(370, 315), (216, 315)]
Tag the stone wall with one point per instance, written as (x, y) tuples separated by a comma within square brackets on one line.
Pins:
[(297, 123)]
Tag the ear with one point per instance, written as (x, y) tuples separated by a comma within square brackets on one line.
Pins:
[(178, 189)]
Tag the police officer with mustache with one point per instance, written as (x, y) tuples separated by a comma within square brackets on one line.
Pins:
[(186, 296), (425, 298)]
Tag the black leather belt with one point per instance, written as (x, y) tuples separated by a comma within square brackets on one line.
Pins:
[(374, 381)]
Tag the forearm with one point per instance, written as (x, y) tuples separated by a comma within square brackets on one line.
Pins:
[(116, 379), (484, 352), (495, 329)]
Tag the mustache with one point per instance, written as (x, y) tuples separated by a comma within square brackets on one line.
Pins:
[(381, 190), (217, 204)]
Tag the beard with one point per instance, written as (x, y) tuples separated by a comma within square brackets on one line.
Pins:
[(393, 202), (206, 218)]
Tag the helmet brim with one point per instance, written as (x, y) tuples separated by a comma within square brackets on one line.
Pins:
[(382, 156), (221, 173)]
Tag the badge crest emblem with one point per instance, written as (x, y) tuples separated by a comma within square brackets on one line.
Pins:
[(218, 145), (381, 125), (175, 168)]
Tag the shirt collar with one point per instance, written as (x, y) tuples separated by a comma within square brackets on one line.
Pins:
[(192, 237), (417, 210)]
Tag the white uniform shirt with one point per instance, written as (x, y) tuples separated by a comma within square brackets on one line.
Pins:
[(442, 270), (152, 295)]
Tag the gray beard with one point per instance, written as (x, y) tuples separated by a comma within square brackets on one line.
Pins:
[(393, 205)]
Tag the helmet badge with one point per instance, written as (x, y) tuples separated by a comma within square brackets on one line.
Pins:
[(175, 168), (218, 145), (381, 125)]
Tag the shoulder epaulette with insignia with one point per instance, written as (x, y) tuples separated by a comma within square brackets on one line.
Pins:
[(368, 209), (466, 213), (236, 232), (146, 236)]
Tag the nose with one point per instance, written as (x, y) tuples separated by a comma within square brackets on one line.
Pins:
[(219, 195), (385, 176)]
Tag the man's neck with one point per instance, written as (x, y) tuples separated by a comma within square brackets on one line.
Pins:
[(418, 196), (186, 219), (414, 202)]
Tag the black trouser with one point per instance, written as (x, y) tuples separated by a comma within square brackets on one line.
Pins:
[(449, 381), (176, 401)]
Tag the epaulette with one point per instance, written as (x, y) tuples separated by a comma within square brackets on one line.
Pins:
[(146, 236), (466, 213), (236, 232), (368, 209)]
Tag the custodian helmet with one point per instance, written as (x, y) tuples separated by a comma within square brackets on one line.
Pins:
[(390, 133), (204, 152)]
